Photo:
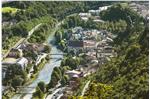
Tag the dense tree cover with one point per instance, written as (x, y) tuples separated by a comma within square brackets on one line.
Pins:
[(30, 12), (40, 90), (128, 72), (55, 9), (112, 26), (15, 76), (120, 11), (72, 21), (22, 28), (58, 74), (72, 62), (99, 91), (61, 37)]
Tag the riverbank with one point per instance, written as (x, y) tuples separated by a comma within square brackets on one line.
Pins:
[(47, 68)]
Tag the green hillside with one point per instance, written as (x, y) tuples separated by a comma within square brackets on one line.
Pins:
[(126, 76)]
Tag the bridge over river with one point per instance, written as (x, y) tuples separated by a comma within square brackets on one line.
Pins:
[(45, 73)]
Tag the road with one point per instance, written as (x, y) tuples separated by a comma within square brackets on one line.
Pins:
[(56, 94), (45, 73), (85, 87), (21, 40)]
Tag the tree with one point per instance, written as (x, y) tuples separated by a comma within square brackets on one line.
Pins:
[(42, 86), (47, 49), (38, 94), (17, 81), (58, 36)]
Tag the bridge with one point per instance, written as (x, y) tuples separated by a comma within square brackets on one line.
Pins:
[(24, 87), (23, 93), (56, 58), (58, 54), (20, 92)]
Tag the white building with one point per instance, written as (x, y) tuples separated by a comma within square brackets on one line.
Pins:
[(94, 12), (23, 62), (85, 14), (104, 8)]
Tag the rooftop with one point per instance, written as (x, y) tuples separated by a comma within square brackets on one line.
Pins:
[(73, 71), (75, 43), (9, 61)]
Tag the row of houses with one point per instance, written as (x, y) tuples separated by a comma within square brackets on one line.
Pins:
[(93, 13), (85, 40), (141, 8), (96, 52)]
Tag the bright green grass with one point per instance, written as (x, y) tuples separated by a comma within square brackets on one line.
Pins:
[(9, 10)]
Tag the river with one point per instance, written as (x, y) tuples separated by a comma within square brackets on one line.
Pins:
[(45, 74)]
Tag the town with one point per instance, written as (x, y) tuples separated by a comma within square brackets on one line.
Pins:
[(61, 64)]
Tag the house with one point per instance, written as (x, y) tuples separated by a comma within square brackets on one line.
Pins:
[(16, 53), (32, 47), (9, 61), (76, 37), (75, 44), (103, 8), (85, 15), (94, 12), (91, 54), (108, 49), (74, 73), (99, 21), (109, 40), (23, 62), (22, 46), (89, 44), (85, 18)]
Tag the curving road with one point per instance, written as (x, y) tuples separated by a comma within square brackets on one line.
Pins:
[(45, 73), (85, 87)]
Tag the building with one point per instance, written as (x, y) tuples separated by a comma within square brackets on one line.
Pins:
[(85, 15), (91, 54), (23, 62), (75, 44), (89, 44), (9, 61), (94, 12), (99, 21), (103, 8), (74, 74), (16, 53)]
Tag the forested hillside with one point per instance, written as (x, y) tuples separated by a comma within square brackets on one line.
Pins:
[(20, 17), (126, 76)]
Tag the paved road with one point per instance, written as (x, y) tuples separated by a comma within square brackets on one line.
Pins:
[(56, 94), (47, 69), (85, 87), (22, 40)]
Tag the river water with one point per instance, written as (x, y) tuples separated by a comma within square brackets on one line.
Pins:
[(45, 74)]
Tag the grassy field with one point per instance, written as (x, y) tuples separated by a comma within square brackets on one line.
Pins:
[(9, 10)]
